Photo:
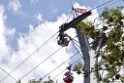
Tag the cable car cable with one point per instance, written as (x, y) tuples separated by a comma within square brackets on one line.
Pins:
[(60, 65), (64, 69), (76, 45), (73, 63), (77, 48), (69, 15), (75, 40), (8, 73), (28, 57), (40, 63), (104, 4)]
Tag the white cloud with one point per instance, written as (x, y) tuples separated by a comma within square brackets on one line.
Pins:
[(5, 50), (92, 17), (38, 18), (34, 1), (14, 6), (123, 11), (53, 12), (77, 5)]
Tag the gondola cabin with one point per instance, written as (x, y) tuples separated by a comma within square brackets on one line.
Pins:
[(68, 78)]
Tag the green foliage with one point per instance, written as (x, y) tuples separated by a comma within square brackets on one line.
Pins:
[(49, 80), (40, 80), (78, 68), (114, 47), (112, 16), (19, 81), (89, 29), (34, 81), (112, 51)]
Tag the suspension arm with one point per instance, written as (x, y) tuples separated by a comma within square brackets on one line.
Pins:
[(75, 21)]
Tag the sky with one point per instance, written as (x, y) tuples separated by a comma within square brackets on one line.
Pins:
[(26, 24)]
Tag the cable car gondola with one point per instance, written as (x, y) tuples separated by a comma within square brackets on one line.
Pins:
[(68, 77), (63, 39)]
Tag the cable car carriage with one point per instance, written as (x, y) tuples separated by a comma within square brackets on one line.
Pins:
[(68, 78), (63, 39)]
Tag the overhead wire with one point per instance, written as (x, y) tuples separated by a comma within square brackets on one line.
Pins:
[(76, 48), (8, 74), (41, 63), (58, 74), (64, 69), (104, 7), (69, 16), (76, 45), (104, 4), (59, 65), (28, 57), (69, 58)]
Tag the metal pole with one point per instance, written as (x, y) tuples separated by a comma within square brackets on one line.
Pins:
[(100, 42), (85, 56), (97, 68)]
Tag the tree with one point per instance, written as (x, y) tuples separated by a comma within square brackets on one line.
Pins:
[(39, 81), (35, 81), (19, 81), (112, 50)]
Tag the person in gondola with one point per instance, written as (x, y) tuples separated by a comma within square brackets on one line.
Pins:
[(63, 38)]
